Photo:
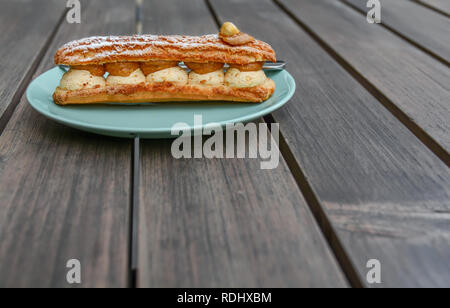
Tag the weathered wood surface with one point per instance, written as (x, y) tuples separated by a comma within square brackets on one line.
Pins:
[(386, 195), (428, 29), (440, 5), (414, 83), (65, 194), (24, 37), (222, 222)]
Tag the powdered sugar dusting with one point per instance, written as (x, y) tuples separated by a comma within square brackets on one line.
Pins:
[(107, 48)]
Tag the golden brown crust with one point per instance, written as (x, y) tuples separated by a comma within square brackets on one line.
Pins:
[(143, 48), (251, 67), (163, 92), (204, 68), (96, 70)]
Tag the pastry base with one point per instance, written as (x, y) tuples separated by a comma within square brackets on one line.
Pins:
[(163, 92)]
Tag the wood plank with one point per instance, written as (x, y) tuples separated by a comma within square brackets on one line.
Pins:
[(65, 194), (386, 195), (440, 5), (222, 223), (426, 28), (412, 84), (25, 34)]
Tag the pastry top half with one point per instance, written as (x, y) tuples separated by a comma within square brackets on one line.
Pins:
[(141, 48)]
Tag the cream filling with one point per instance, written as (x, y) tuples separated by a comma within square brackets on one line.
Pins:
[(80, 79), (211, 79), (237, 79), (135, 78), (172, 74)]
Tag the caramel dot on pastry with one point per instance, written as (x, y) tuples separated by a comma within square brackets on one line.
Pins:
[(121, 69), (229, 29), (154, 66), (204, 68), (238, 39), (96, 70), (230, 34), (250, 67)]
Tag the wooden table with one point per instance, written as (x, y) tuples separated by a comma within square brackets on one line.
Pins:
[(364, 172)]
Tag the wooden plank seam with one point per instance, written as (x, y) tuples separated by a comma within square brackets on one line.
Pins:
[(324, 223), (431, 7), (421, 134), (134, 212), (135, 169), (4, 119), (321, 218), (410, 41)]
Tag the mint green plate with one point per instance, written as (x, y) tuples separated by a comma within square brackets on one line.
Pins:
[(152, 120)]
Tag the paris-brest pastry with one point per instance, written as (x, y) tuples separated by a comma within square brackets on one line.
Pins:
[(145, 68)]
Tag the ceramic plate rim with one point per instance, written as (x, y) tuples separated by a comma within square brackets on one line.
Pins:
[(290, 82)]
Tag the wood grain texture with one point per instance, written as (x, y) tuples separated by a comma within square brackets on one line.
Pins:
[(413, 81), (24, 35), (222, 222), (441, 5), (386, 195), (416, 23), (226, 223), (65, 194)]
